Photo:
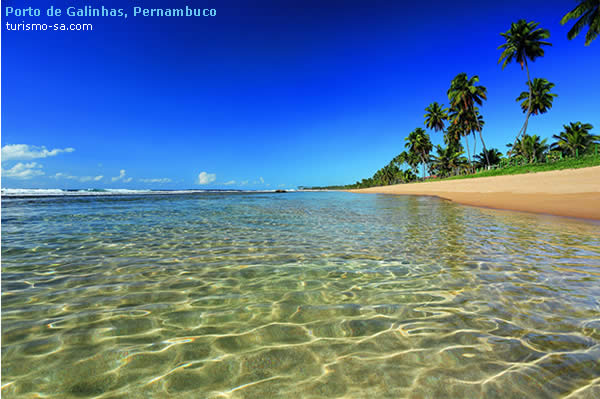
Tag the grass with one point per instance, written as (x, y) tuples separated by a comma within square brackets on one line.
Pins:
[(568, 163)]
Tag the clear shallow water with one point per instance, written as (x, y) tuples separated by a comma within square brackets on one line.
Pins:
[(307, 295)]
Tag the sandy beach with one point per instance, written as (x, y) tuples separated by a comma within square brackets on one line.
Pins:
[(571, 192)]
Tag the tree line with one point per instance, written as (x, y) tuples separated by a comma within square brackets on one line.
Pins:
[(524, 42)]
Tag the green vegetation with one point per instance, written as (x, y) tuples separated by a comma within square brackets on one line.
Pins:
[(565, 163), (524, 40), (575, 139), (588, 12), (418, 143), (541, 98), (506, 167), (574, 147), (463, 95)]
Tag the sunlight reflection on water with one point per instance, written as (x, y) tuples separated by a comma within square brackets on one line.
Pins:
[(296, 295)]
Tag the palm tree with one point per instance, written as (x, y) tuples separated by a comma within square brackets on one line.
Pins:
[(409, 158), (447, 161), (402, 159), (463, 95), (452, 136), (541, 97), (436, 116), (575, 139), (493, 154), (474, 123), (408, 176), (534, 149), (456, 130), (389, 173), (524, 40), (465, 123), (588, 12), (530, 148), (419, 144)]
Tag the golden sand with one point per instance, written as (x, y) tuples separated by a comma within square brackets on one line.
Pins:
[(570, 192)]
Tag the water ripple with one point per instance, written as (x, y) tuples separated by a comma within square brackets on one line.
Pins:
[(304, 295)]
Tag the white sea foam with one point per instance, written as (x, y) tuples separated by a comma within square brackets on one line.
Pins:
[(56, 192)]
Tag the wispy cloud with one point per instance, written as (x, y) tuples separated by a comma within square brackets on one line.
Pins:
[(206, 178), (24, 152), (261, 179), (82, 179), (243, 183), (158, 180), (122, 177), (23, 170), (229, 183)]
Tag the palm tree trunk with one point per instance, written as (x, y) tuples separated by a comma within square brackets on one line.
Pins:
[(479, 129), (487, 158), (524, 128), (468, 153)]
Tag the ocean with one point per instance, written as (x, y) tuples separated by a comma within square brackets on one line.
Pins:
[(294, 295)]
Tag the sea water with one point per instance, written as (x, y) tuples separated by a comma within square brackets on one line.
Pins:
[(295, 295)]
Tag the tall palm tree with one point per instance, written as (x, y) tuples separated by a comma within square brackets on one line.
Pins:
[(436, 116), (453, 135), (524, 40), (575, 139), (465, 123), (463, 94), (474, 123), (419, 144), (588, 12), (457, 129)]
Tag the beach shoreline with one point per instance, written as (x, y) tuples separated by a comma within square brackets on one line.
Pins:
[(570, 192)]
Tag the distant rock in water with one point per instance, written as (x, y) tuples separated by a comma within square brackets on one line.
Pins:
[(280, 191)]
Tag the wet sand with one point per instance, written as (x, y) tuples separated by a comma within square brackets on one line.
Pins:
[(571, 192)]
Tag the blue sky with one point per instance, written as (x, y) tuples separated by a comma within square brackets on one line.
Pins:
[(267, 94)]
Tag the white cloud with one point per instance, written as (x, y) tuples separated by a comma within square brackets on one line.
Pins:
[(82, 179), (96, 178), (23, 170), (127, 180), (261, 179), (206, 178), (161, 180), (229, 183), (245, 182), (281, 185), (24, 152), (121, 175)]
